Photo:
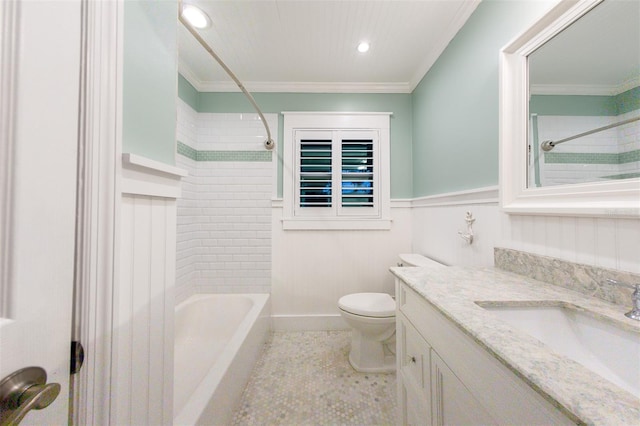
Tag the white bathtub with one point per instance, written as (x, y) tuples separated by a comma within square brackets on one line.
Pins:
[(218, 338)]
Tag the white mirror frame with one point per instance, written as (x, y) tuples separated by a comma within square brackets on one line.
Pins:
[(607, 199)]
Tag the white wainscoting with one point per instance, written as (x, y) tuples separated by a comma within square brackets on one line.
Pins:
[(603, 242), (142, 383), (311, 270), (436, 221)]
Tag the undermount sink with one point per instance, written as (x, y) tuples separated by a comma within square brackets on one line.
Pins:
[(602, 346)]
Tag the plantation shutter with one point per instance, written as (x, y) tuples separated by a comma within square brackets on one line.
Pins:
[(336, 173), (315, 173), (357, 173)]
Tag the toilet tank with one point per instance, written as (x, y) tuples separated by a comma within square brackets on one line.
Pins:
[(413, 259)]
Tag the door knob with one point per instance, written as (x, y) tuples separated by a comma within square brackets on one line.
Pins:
[(23, 391)]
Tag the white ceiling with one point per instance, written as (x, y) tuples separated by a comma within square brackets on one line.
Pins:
[(599, 54), (310, 46)]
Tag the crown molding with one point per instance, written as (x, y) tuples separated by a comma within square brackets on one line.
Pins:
[(189, 75), (461, 17), (306, 87), (585, 89), (290, 87), (628, 85), (573, 89)]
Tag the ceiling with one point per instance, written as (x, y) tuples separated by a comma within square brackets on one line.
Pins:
[(599, 54), (310, 46)]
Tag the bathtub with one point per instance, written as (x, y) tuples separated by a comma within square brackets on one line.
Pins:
[(218, 338)]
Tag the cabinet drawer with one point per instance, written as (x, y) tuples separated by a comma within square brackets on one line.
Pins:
[(410, 303)]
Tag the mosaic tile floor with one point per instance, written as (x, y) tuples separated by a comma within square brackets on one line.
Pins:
[(304, 378)]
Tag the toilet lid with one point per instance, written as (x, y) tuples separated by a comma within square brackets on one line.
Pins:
[(368, 304)]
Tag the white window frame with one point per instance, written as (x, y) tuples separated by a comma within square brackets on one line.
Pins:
[(336, 125)]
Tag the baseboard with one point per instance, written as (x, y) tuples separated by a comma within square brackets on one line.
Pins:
[(308, 322)]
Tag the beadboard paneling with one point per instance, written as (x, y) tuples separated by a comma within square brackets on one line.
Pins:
[(143, 380), (313, 269), (604, 242), (435, 233)]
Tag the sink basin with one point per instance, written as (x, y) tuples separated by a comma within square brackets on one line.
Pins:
[(606, 348)]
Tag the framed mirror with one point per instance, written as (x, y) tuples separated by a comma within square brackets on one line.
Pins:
[(570, 112)]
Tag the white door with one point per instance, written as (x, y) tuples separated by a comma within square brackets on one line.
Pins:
[(39, 90)]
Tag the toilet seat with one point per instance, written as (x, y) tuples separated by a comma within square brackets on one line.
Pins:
[(377, 305)]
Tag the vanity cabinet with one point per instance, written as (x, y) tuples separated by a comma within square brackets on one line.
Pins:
[(446, 378)]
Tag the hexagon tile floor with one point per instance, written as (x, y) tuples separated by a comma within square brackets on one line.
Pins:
[(304, 378)]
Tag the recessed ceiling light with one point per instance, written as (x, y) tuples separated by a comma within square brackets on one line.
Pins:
[(363, 47), (196, 16)]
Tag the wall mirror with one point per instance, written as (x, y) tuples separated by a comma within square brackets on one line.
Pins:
[(570, 112)]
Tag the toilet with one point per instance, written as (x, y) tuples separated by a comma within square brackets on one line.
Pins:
[(372, 318)]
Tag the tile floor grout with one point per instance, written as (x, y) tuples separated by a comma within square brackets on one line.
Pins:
[(305, 378)]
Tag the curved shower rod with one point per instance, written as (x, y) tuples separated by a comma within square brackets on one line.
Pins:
[(269, 143), (549, 144)]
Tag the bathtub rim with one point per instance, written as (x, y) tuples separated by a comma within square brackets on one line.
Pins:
[(203, 394)]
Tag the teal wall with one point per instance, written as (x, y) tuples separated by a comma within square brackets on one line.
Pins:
[(455, 106), (628, 101), (581, 105), (188, 93), (149, 79), (398, 104)]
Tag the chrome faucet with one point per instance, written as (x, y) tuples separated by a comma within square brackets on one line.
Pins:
[(635, 297)]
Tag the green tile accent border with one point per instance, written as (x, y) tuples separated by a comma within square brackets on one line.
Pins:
[(242, 156), (234, 156), (187, 151), (629, 156), (580, 158), (591, 158)]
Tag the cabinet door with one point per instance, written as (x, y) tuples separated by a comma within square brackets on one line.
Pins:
[(452, 403), (414, 384), (414, 408)]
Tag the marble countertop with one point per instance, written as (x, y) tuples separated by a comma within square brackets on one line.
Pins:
[(581, 394)]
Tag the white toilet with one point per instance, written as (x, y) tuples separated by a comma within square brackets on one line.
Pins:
[(372, 318)]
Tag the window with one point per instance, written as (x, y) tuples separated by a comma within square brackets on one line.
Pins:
[(336, 172), (336, 175)]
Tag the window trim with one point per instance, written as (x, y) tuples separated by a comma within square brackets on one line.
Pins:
[(378, 122)]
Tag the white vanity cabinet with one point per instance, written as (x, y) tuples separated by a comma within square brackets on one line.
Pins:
[(430, 393), (446, 378), (413, 357)]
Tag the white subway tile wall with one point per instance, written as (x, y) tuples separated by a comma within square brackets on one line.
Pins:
[(187, 126), (187, 244), (629, 134), (224, 215), (233, 132), (621, 139)]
